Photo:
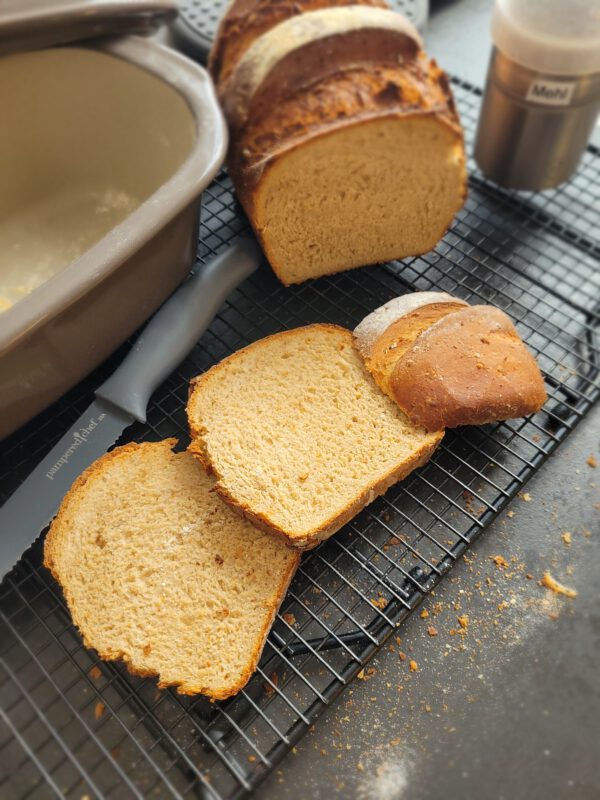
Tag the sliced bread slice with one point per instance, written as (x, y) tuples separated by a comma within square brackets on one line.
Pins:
[(160, 573), (298, 435)]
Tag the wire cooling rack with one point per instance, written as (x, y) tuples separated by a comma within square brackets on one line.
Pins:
[(197, 22), (77, 726)]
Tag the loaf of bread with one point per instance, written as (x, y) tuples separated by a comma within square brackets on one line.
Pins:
[(160, 573), (298, 435), (446, 363), (346, 148)]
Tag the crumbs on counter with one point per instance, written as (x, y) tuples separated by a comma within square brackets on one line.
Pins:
[(413, 666), (424, 614), (500, 561), (525, 496), (366, 673), (431, 631), (551, 583), (566, 537), (591, 462), (463, 621)]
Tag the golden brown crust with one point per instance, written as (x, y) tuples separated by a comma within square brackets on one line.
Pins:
[(246, 20), (262, 521), (301, 52), (382, 355), (51, 545), (345, 98), (469, 368)]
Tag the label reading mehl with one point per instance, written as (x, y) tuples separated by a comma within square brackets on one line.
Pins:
[(551, 93)]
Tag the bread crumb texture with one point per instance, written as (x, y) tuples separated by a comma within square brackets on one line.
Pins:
[(298, 434), (158, 571)]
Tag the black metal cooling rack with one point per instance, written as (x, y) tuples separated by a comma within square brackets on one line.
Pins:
[(74, 725)]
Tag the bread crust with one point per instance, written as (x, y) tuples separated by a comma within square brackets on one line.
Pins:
[(303, 50), (369, 331), (469, 368), (384, 336), (51, 548), (246, 20), (312, 538)]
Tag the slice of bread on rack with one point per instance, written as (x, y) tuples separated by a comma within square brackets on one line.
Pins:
[(346, 148), (158, 572), (447, 363), (298, 435)]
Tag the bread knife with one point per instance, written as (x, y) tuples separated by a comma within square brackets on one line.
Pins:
[(123, 398)]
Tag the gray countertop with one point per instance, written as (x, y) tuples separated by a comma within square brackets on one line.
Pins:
[(508, 707)]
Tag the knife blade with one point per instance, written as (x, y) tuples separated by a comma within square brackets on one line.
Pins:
[(123, 398)]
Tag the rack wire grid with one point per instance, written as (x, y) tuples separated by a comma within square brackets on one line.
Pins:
[(78, 726)]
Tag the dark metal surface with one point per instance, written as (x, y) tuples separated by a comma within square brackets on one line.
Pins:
[(106, 732)]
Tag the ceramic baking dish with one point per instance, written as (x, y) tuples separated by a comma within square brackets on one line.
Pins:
[(104, 152)]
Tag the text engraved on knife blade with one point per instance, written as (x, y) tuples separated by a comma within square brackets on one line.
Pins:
[(80, 437)]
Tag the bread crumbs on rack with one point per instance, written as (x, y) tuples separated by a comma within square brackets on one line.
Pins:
[(555, 586), (289, 618), (380, 603), (95, 673), (99, 710)]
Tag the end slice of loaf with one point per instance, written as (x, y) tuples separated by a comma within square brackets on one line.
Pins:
[(470, 367), (386, 334), (298, 435), (159, 572)]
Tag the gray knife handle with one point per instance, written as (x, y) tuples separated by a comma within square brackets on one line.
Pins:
[(176, 327)]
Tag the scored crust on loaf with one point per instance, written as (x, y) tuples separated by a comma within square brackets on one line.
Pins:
[(246, 20), (302, 50), (298, 435), (386, 334), (469, 368), (158, 572)]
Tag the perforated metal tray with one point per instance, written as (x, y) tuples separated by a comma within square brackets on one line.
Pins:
[(72, 724)]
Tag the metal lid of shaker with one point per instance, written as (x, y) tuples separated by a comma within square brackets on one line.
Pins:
[(560, 37)]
